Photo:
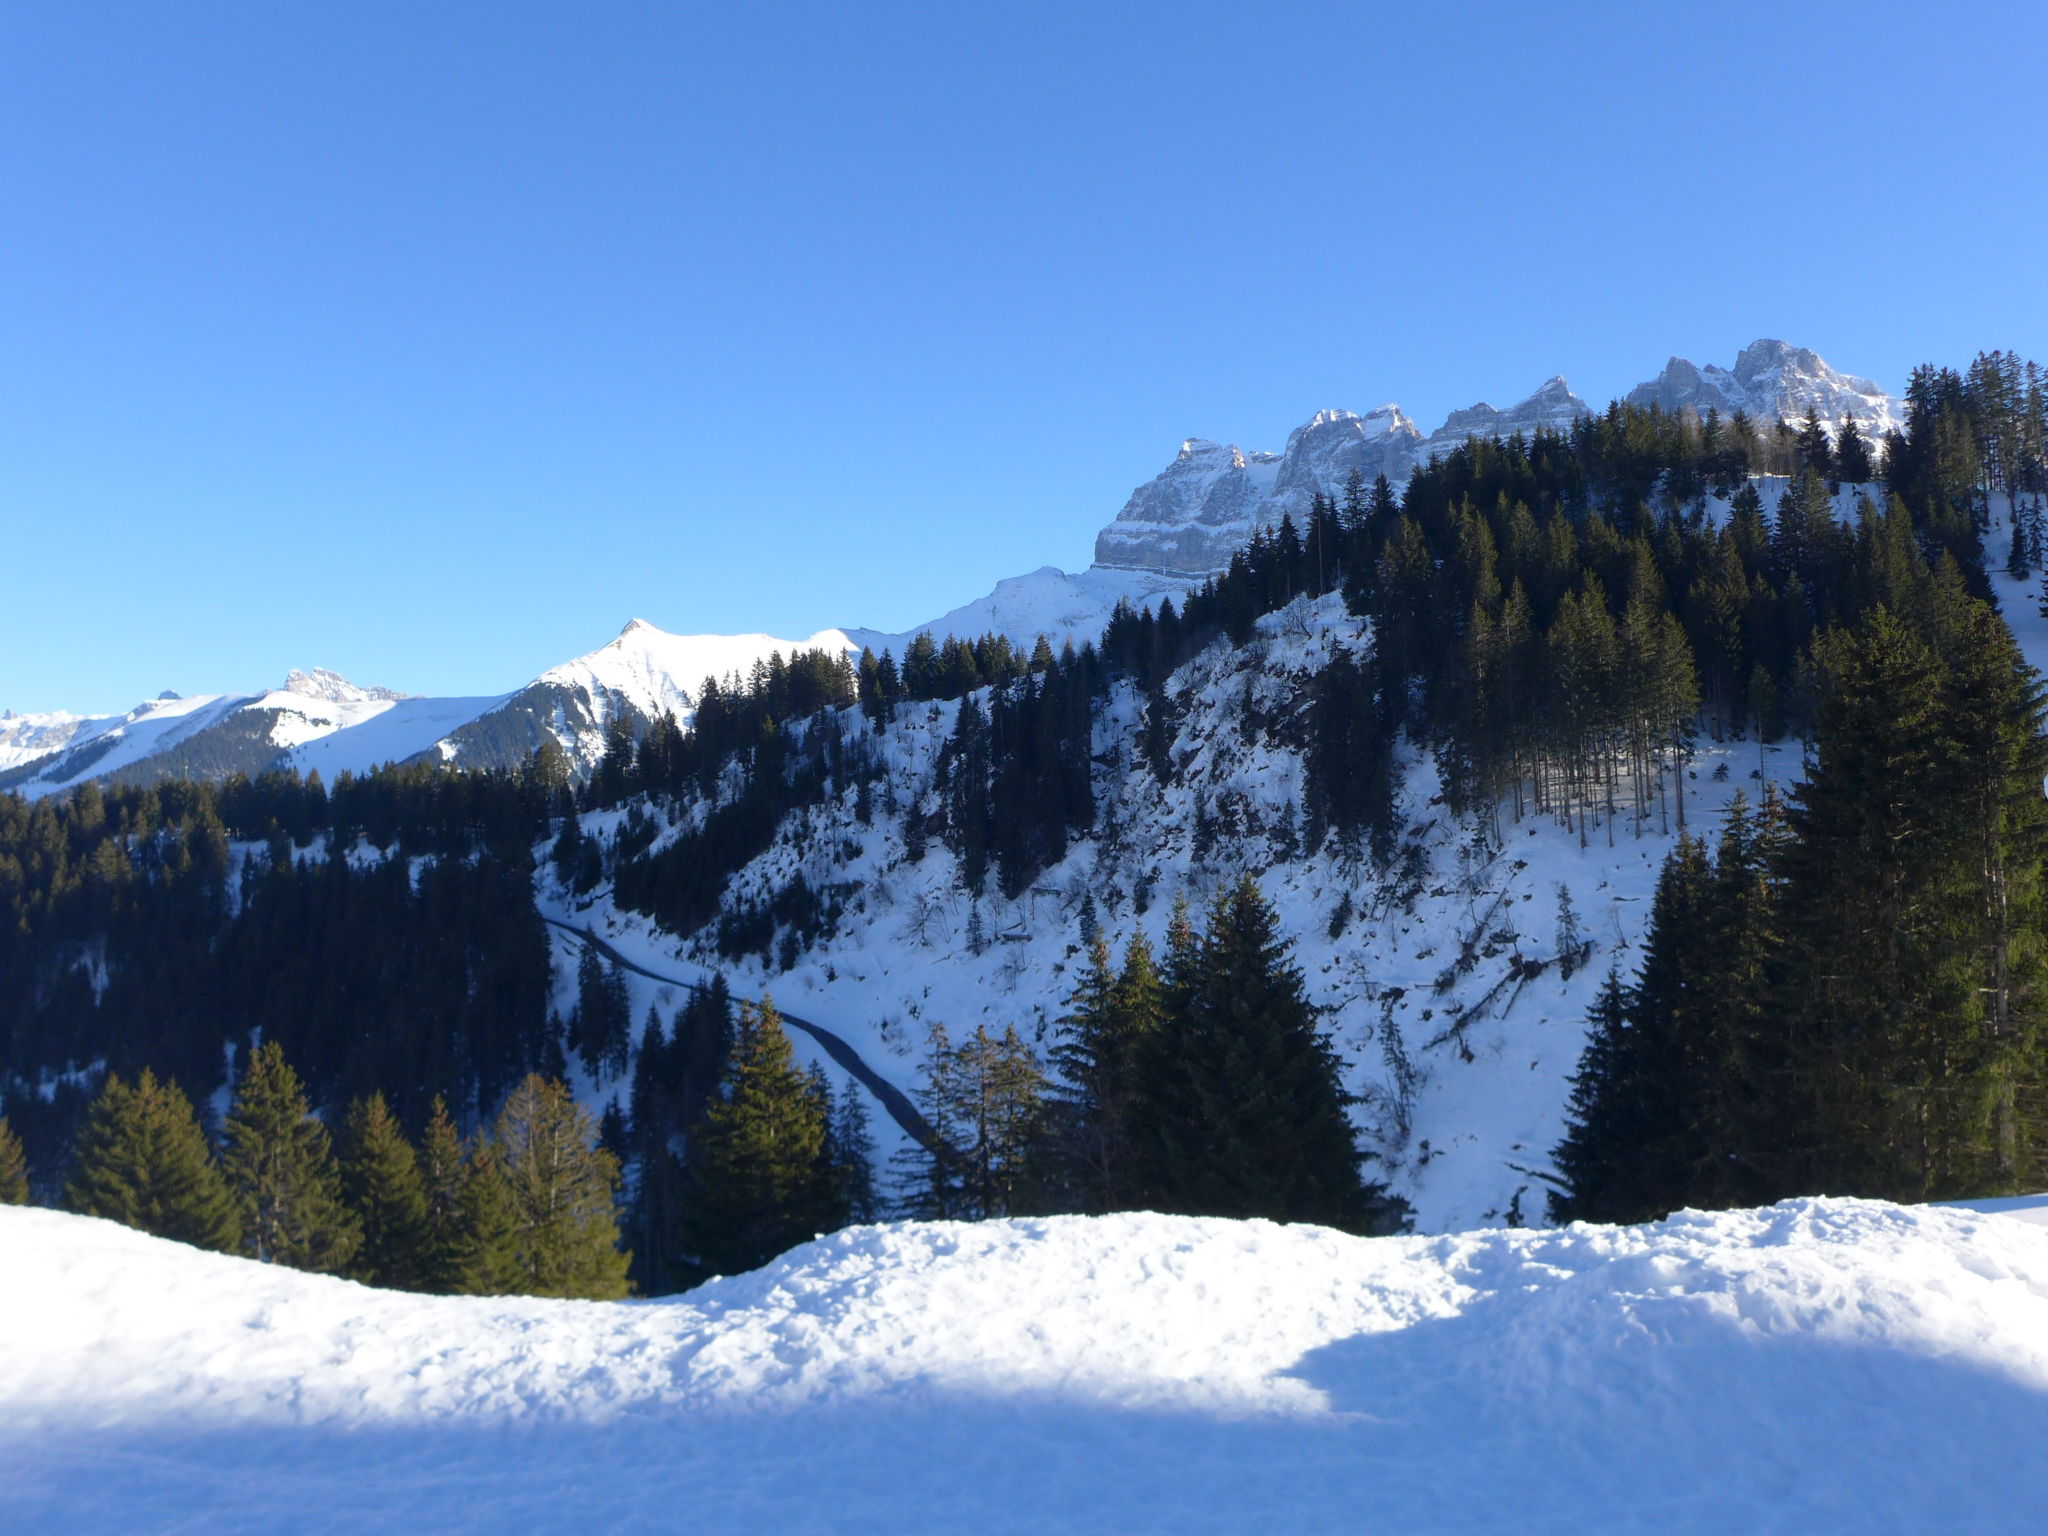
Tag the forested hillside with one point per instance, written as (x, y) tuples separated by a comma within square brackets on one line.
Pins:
[(1291, 899)]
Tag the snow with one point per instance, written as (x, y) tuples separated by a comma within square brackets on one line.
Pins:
[(656, 671), (1047, 602), (379, 732), (1821, 1365)]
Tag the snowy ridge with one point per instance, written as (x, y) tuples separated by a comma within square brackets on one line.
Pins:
[(1834, 1365), (1209, 501)]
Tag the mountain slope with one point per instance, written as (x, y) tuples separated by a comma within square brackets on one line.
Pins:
[(1207, 503), (1820, 1365)]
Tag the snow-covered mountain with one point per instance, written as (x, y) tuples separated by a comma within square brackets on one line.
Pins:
[(1773, 381), (1817, 1366), (1207, 503), (1174, 530)]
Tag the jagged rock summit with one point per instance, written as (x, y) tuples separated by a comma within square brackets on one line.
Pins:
[(336, 689), (1210, 500), (1773, 381)]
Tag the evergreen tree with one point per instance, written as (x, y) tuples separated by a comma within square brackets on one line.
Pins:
[(441, 1177), (142, 1160), (1911, 878), (562, 1188), (280, 1166), (13, 1167), (1107, 1039), (380, 1181), (487, 1231), (1257, 1122), (851, 1144), (760, 1182)]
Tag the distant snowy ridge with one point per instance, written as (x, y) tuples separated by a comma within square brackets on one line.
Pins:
[(1833, 1365), (1207, 503), (336, 689)]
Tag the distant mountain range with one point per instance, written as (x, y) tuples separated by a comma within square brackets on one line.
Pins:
[(1206, 504), (1174, 530)]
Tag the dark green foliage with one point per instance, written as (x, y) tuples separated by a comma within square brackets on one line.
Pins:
[(561, 1189), (487, 1248), (602, 1027), (142, 1160), (281, 1170), (380, 1182), (443, 1232), (1849, 999), (761, 1178), (13, 1167), (1251, 1115), (985, 1102), (1108, 1038)]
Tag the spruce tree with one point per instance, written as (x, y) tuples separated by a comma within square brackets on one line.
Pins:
[(441, 1176), (142, 1160), (487, 1247), (852, 1146), (759, 1181), (563, 1189), (280, 1166), (380, 1181), (13, 1167), (1107, 1039), (1257, 1121)]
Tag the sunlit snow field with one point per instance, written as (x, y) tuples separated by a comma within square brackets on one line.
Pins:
[(1819, 1366)]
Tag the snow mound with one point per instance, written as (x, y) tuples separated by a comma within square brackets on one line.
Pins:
[(1818, 1365)]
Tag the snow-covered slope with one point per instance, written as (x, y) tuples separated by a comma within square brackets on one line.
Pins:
[(1048, 602), (1823, 1365), (23, 738), (1437, 977), (1208, 502)]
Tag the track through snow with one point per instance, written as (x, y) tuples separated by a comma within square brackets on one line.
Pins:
[(1819, 1366)]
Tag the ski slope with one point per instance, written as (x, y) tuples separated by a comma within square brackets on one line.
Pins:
[(1818, 1366)]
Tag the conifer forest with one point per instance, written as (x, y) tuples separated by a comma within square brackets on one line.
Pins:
[(353, 1027)]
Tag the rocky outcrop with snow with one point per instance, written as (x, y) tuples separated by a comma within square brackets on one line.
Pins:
[(1820, 1365), (336, 689), (1211, 499), (1773, 381), (1205, 505)]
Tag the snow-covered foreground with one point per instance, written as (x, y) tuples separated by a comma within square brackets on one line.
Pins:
[(1820, 1366)]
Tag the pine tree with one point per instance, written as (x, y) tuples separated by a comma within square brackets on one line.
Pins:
[(487, 1249), (1256, 1121), (380, 1181), (441, 1176), (13, 1167), (142, 1160), (1602, 1121), (757, 1181), (563, 1189), (852, 1146), (1913, 959), (280, 1166), (1107, 1038)]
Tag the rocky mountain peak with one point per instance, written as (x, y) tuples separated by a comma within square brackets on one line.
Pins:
[(320, 683)]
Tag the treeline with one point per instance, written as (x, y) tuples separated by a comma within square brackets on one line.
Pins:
[(1847, 997), (384, 933), (524, 1207)]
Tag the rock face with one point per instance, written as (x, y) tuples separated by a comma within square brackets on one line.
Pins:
[(1194, 512), (1773, 381), (336, 689), (1211, 499), (1207, 503)]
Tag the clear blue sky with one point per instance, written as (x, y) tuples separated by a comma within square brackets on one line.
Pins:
[(432, 342)]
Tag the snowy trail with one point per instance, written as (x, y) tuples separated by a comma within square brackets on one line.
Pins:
[(894, 1101), (1818, 1366)]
